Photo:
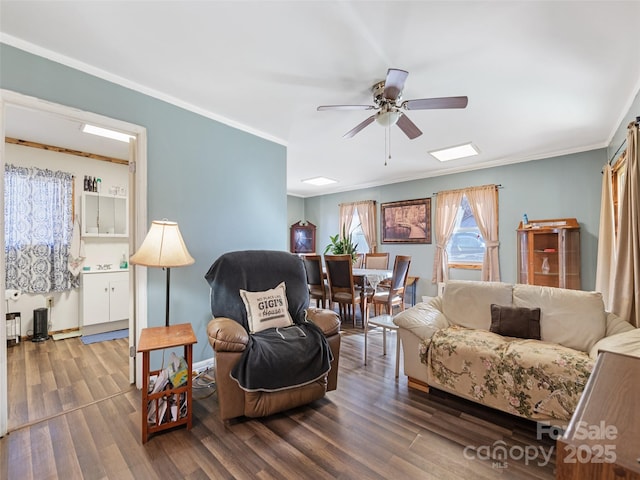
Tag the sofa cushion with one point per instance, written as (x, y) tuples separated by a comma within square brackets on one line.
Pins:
[(468, 303), (517, 322), (572, 318), (267, 309), (529, 378)]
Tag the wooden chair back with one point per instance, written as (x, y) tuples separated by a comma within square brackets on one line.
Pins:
[(378, 261)]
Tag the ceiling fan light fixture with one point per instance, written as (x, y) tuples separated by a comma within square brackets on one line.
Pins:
[(319, 181), (454, 153), (388, 118)]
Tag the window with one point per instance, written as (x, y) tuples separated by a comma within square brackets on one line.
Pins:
[(466, 247), (357, 234)]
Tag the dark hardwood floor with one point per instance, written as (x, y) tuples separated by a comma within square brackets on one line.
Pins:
[(372, 427)]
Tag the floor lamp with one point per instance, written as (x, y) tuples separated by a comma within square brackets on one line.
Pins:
[(163, 247)]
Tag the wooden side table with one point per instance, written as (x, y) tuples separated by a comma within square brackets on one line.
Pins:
[(158, 338)]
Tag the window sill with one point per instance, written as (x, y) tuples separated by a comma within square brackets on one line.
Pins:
[(466, 266)]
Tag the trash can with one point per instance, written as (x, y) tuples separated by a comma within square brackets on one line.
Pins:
[(40, 325)]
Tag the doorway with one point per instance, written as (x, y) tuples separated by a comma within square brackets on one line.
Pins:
[(137, 190)]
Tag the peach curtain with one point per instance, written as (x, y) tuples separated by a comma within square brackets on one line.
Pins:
[(367, 213), (625, 298), (606, 240), (346, 217), (484, 205), (447, 204)]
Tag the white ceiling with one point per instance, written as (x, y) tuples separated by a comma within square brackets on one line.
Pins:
[(543, 78)]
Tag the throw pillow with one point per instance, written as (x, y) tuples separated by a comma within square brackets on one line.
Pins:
[(517, 322), (267, 309)]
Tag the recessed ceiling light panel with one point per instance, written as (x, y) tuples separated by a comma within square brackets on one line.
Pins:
[(320, 181), (454, 153), (105, 132)]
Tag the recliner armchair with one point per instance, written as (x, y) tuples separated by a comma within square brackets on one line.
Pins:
[(240, 357)]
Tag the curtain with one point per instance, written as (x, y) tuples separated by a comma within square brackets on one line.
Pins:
[(38, 229), (606, 240), (625, 298), (447, 204), (367, 213), (484, 205), (346, 217)]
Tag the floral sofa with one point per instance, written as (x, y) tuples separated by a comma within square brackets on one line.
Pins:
[(523, 349)]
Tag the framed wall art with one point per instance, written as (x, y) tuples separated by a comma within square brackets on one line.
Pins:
[(408, 221), (303, 237)]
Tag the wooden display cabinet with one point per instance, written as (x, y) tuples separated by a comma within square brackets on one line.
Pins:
[(549, 253)]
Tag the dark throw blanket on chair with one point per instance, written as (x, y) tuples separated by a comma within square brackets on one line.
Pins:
[(281, 358), (276, 358)]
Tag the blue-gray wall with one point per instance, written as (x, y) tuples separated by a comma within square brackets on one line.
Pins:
[(226, 188), (566, 186)]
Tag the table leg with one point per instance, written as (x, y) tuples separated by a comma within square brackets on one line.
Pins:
[(145, 390), (397, 354), (384, 340)]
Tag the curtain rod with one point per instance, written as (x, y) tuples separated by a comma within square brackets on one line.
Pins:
[(355, 203), (498, 186), (624, 142)]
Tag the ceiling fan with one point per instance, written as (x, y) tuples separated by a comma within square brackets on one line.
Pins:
[(386, 96)]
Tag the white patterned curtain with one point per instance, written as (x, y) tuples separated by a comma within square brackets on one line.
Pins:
[(38, 215)]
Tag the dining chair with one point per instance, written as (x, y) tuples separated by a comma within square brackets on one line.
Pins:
[(377, 261), (318, 288), (394, 295), (342, 287), (359, 263)]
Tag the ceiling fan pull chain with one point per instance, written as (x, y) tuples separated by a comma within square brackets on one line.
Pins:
[(386, 145), (387, 148)]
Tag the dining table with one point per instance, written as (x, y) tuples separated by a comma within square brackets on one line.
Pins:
[(373, 276), (360, 274)]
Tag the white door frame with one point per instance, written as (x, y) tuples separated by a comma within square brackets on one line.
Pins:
[(138, 227)]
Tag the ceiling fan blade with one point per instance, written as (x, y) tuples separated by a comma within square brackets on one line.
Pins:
[(408, 127), (345, 107), (359, 127), (432, 103), (394, 83)]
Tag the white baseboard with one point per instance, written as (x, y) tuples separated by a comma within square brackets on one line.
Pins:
[(203, 365)]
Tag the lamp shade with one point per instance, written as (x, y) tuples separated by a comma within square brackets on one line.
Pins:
[(162, 247)]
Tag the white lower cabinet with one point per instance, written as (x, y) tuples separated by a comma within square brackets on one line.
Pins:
[(104, 298)]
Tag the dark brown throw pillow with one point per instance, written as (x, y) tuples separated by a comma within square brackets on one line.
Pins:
[(517, 322)]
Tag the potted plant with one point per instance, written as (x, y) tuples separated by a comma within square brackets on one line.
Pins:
[(342, 244)]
